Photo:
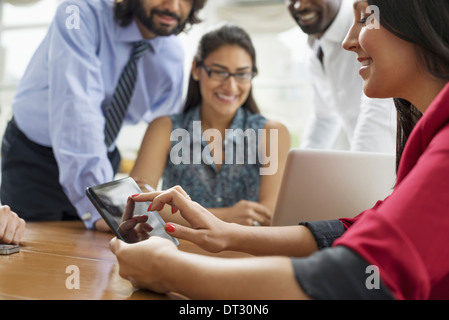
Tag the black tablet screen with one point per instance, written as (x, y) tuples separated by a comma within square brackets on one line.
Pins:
[(110, 200)]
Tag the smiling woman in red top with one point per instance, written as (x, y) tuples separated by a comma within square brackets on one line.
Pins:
[(402, 240)]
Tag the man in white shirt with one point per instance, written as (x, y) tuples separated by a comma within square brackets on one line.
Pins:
[(339, 102)]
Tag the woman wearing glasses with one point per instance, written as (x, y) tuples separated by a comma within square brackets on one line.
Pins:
[(226, 155)]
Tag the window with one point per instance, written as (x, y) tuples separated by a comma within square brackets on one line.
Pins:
[(22, 28)]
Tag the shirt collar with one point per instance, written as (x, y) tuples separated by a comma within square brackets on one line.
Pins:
[(131, 34)]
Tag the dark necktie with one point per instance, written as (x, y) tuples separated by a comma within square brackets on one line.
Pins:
[(320, 55), (116, 111)]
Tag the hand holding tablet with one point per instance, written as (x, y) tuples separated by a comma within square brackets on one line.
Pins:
[(134, 228), (129, 220)]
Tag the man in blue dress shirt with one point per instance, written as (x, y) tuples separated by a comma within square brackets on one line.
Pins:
[(54, 147)]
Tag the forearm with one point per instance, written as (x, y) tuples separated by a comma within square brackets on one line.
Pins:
[(214, 235), (219, 212), (80, 168), (203, 277), (154, 150), (292, 241), (75, 109), (244, 212)]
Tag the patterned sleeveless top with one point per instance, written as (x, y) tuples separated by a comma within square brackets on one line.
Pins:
[(191, 165)]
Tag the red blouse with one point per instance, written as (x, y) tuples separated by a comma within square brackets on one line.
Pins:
[(407, 234)]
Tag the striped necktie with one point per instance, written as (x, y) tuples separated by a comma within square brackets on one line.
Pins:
[(116, 111)]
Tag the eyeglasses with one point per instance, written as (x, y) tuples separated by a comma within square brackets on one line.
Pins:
[(220, 75)]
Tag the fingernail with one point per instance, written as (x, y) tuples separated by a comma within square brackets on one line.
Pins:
[(149, 208), (135, 195), (169, 227), (173, 210)]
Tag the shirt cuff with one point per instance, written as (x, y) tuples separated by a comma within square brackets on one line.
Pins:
[(87, 213), (325, 232), (339, 274)]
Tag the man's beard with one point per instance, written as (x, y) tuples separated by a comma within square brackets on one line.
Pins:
[(310, 29), (148, 21)]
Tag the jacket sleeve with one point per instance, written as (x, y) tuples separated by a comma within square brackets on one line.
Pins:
[(339, 274), (325, 232)]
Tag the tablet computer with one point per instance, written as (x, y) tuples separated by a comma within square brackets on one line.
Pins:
[(110, 200)]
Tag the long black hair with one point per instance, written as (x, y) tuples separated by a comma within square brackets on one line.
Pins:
[(425, 24), (227, 34), (124, 12)]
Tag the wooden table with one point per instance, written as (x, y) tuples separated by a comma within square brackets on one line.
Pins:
[(51, 255)]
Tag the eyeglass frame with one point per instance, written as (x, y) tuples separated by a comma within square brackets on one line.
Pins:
[(209, 73)]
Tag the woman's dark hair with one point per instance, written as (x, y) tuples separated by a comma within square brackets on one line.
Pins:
[(425, 24), (226, 35), (124, 12)]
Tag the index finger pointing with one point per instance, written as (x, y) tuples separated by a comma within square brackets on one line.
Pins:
[(129, 210), (172, 197)]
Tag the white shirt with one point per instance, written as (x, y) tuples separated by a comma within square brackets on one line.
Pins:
[(339, 101)]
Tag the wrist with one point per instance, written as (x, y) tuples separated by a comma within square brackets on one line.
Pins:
[(234, 236), (220, 213), (165, 267), (176, 269), (101, 225)]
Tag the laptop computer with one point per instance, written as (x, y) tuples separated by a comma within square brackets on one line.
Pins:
[(324, 185)]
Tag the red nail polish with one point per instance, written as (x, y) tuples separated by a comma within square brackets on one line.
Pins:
[(149, 208), (135, 195), (173, 210), (169, 227)]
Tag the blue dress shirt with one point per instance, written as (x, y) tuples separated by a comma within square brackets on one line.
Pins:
[(70, 80)]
